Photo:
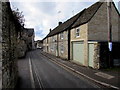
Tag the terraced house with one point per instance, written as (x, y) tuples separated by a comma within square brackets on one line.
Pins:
[(84, 37), (56, 42)]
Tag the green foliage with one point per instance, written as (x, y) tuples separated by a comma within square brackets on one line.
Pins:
[(19, 16)]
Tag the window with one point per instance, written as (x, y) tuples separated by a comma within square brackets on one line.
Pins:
[(53, 39), (62, 48), (52, 47), (77, 32), (61, 36)]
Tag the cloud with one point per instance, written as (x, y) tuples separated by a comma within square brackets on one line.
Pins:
[(38, 38), (59, 0)]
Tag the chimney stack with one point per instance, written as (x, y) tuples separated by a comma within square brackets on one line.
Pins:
[(60, 23), (50, 30)]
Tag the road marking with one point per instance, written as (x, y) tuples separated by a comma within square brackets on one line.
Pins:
[(61, 64), (31, 74), (104, 75), (38, 79)]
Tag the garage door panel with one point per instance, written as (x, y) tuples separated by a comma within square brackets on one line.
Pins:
[(78, 52), (91, 55)]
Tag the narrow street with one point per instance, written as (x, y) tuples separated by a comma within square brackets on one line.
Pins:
[(46, 74)]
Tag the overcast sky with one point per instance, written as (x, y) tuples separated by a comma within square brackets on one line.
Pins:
[(43, 15)]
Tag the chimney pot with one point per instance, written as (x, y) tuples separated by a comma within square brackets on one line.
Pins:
[(50, 30), (60, 23)]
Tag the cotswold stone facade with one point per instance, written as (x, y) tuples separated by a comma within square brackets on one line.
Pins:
[(83, 36), (93, 33), (9, 45)]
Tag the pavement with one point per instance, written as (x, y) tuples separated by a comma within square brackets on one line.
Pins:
[(107, 78)]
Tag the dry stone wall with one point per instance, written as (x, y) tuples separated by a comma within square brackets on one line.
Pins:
[(9, 45), (0, 44)]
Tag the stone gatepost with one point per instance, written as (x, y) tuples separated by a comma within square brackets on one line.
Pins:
[(96, 55)]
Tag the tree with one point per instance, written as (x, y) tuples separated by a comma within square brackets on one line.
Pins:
[(19, 16)]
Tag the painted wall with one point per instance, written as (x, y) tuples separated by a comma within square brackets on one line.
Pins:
[(83, 37)]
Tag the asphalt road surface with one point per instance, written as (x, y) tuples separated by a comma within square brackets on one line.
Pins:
[(46, 74)]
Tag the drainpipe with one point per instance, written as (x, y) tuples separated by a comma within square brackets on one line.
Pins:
[(68, 44), (57, 45), (109, 31)]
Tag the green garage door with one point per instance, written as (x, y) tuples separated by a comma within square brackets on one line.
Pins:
[(78, 52), (91, 54)]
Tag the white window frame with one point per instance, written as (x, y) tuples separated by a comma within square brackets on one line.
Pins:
[(77, 32), (62, 35)]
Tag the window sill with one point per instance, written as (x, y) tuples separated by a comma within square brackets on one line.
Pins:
[(77, 36)]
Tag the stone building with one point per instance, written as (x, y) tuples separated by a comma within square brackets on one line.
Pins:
[(39, 44), (56, 42), (90, 31), (8, 44), (29, 35), (83, 38), (25, 41)]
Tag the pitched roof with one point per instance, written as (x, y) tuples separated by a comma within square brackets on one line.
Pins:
[(79, 19), (88, 14), (64, 26)]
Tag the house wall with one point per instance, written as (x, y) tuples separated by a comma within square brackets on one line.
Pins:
[(52, 41), (45, 45), (63, 42), (54, 46), (97, 26), (83, 37)]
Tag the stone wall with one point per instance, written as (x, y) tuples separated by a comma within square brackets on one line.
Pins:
[(22, 48), (0, 44), (9, 45), (63, 43), (96, 60), (98, 26)]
